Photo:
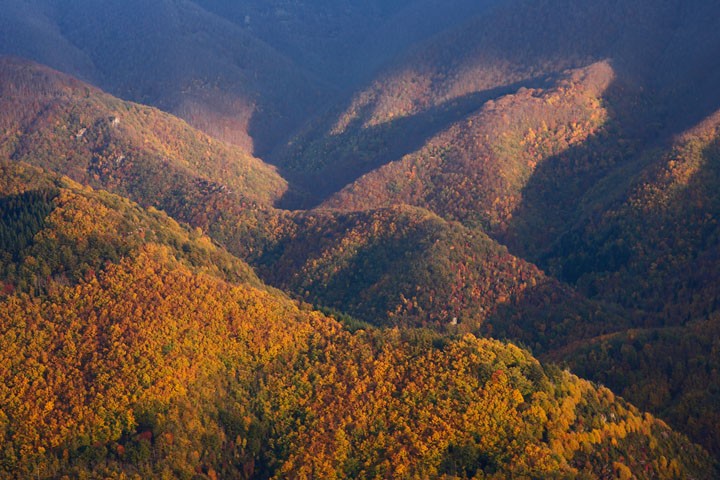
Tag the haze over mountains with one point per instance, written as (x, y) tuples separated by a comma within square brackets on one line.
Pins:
[(249, 72), (424, 173)]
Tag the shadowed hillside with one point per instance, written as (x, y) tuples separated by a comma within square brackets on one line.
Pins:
[(405, 266), (475, 171), (246, 72), (172, 55), (389, 267)]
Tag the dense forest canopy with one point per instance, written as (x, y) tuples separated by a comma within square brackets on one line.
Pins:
[(378, 239)]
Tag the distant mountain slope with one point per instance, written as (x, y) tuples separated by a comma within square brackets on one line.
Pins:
[(153, 365), (172, 55), (59, 123), (342, 40), (321, 35), (246, 72), (476, 170), (30, 31), (509, 45), (517, 40)]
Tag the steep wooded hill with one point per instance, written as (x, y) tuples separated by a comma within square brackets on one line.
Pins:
[(395, 266), (476, 170), (673, 371), (610, 188), (247, 72), (56, 122), (55, 231), (401, 264), (604, 176), (636, 228), (150, 365), (655, 230), (649, 241)]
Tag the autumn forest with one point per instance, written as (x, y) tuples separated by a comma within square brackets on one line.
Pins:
[(399, 239)]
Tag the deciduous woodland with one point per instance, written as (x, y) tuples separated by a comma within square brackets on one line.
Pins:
[(385, 239)]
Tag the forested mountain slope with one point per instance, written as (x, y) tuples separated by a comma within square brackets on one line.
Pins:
[(655, 250), (151, 364), (658, 233), (342, 40), (246, 72), (632, 228), (56, 122), (408, 267), (393, 266), (55, 231), (477, 169)]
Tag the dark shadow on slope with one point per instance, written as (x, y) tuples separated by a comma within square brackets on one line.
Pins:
[(22, 216), (645, 39), (350, 284), (359, 150), (658, 257), (579, 184), (550, 315)]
